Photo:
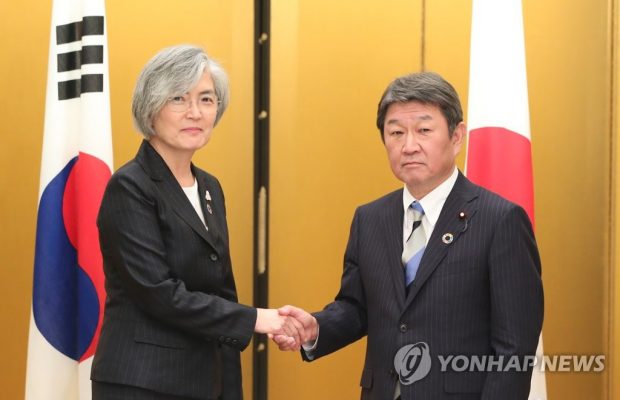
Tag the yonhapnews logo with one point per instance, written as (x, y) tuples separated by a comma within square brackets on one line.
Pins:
[(412, 362)]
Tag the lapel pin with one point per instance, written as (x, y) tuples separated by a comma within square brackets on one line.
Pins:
[(447, 238), (208, 198), (463, 217)]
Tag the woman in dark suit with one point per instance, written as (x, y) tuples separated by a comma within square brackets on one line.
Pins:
[(172, 326)]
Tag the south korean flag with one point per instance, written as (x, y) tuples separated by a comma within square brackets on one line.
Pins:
[(68, 292)]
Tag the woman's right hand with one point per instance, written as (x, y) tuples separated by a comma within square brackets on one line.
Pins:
[(270, 321)]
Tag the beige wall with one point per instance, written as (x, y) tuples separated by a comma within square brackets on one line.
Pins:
[(330, 63), (24, 39), (327, 158), (568, 68)]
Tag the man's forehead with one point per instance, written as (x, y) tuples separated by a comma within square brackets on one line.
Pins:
[(411, 111), (413, 105)]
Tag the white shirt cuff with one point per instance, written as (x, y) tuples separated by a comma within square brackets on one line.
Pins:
[(310, 346)]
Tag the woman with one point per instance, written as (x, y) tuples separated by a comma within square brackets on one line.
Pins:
[(172, 326)]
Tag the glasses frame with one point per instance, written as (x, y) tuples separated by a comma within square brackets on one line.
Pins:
[(186, 104)]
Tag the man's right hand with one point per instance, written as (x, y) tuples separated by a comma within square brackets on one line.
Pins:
[(309, 323)]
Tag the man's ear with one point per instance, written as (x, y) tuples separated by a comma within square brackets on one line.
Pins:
[(459, 134)]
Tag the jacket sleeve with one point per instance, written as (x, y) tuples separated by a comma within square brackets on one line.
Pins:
[(517, 305), (344, 321)]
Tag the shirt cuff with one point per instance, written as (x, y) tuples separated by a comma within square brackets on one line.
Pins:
[(310, 346)]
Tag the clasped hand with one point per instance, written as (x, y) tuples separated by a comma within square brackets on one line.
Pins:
[(289, 327)]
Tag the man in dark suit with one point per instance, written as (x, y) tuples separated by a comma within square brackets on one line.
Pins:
[(441, 270)]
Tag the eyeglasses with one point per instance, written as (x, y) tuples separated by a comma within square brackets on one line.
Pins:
[(206, 103)]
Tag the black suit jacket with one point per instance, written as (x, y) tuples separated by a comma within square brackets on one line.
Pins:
[(479, 295), (172, 323)]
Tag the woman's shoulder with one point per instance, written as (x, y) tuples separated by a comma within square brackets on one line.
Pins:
[(205, 176), (131, 174), (130, 170)]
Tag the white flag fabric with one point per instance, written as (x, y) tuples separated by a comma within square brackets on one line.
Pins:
[(68, 284), (499, 155)]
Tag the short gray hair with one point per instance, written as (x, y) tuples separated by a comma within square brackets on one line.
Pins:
[(172, 72), (426, 88)]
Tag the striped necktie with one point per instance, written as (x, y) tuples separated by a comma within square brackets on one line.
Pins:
[(416, 243)]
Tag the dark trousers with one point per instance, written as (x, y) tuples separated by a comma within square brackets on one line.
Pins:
[(113, 391)]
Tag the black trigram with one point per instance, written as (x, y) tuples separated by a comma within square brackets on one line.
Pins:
[(73, 60)]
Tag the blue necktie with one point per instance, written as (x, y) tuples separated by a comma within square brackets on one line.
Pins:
[(416, 243)]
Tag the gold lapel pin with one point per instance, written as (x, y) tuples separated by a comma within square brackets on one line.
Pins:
[(447, 238)]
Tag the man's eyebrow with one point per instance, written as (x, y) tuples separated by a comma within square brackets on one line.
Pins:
[(424, 117)]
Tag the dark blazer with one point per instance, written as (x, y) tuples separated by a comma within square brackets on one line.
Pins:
[(172, 323), (479, 295)]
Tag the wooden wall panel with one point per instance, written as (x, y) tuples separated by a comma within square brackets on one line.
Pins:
[(331, 62)]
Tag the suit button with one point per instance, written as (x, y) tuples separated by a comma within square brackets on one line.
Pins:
[(213, 257), (403, 328)]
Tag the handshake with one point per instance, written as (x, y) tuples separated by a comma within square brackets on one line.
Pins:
[(289, 327)]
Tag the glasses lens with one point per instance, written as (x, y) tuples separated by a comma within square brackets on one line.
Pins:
[(184, 103)]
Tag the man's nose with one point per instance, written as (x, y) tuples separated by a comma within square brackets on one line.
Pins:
[(411, 143)]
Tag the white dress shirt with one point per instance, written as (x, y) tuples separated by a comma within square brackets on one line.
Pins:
[(432, 204), (192, 194)]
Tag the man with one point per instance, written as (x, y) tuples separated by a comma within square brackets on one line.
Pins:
[(438, 270)]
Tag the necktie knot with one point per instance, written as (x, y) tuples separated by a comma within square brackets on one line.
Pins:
[(418, 211), (415, 212)]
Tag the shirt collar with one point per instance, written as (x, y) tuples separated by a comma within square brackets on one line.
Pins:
[(433, 202)]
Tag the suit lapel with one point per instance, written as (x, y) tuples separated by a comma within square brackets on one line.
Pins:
[(393, 228), (208, 203), (156, 167), (460, 199)]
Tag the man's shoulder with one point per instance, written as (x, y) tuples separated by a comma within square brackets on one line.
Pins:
[(486, 199), (383, 203)]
